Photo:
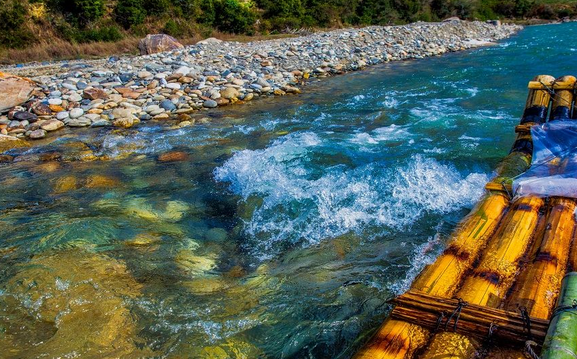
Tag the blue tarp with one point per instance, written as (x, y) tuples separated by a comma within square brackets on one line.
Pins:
[(553, 169)]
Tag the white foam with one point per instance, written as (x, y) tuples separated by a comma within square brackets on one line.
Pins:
[(387, 133), (301, 206)]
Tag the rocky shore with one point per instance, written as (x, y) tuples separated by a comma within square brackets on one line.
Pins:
[(122, 92)]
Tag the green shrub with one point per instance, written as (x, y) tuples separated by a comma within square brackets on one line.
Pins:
[(13, 33), (80, 12), (102, 34), (156, 7), (208, 12), (129, 13), (172, 28), (191, 9), (234, 17)]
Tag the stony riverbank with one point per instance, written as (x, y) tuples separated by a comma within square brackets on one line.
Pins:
[(122, 92)]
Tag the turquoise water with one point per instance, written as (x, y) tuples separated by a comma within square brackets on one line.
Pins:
[(284, 227)]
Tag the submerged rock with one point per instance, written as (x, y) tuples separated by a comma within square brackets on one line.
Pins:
[(9, 142), (193, 263), (80, 306), (174, 156)]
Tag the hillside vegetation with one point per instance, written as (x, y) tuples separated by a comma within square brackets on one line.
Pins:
[(37, 23)]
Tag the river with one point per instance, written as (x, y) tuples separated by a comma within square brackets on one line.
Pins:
[(284, 226)]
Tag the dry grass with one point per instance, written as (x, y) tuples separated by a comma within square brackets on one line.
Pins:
[(63, 50), (59, 49)]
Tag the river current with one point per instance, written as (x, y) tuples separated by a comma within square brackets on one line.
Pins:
[(284, 227)]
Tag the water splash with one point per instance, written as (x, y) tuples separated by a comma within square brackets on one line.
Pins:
[(301, 207)]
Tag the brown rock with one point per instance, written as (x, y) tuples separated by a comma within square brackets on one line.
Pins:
[(128, 93), (94, 94), (41, 109), (37, 134), (99, 181), (222, 101), (52, 125), (174, 156), (50, 157), (6, 158), (153, 44), (14, 91), (8, 142), (229, 93), (56, 108), (124, 122), (65, 184)]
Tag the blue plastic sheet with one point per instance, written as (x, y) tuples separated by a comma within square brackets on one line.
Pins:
[(553, 169)]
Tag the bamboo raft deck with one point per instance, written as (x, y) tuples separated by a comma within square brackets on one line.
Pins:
[(493, 292)]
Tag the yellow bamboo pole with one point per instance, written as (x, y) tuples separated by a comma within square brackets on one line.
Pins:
[(538, 285), (490, 280), (519, 159), (397, 339), (561, 107)]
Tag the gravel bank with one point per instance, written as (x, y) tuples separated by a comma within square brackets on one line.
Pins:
[(124, 91)]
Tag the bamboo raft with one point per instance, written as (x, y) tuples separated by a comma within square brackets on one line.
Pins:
[(506, 285)]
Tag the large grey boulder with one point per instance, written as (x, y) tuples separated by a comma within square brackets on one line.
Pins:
[(155, 43), (14, 91)]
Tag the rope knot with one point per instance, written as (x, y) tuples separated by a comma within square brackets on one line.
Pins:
[(456, 314)]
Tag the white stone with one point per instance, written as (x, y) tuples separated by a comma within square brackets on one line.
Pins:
[(76, 112)]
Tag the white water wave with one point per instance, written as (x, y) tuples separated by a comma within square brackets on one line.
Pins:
[(299, 206)]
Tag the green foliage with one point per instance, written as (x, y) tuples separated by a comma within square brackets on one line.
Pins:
[(13, 33), (106, 34), (234, 17), (129, 13), (171, 28), (208, 12), (190, 9), (156, 7), (89, 21), (81, 12)]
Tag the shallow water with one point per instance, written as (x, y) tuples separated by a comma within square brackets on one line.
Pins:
[(284, 231)]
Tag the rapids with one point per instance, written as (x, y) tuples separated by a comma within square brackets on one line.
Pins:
[(282, 227)]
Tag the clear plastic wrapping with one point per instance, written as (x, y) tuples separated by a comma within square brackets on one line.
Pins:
[(553, 170)]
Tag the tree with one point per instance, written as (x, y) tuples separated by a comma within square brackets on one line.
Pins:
[(232, 16), (81, 11), (129, 13)]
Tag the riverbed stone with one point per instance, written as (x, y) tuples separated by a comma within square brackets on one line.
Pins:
[(94, 94), (14, 91), (210, 104), (52, 125), (230, 93), (213, 72), (155, 43), (79, 122), (37, 134), (174, 156), (167, 105), (25, 116), (76, 113)]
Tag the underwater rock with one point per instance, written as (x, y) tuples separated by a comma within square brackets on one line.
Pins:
[(143, 240), (192, 263), (79, 298), (173, 212), (101, 181), (205, 285), (65, 184), (174, 156), (9, 142)]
